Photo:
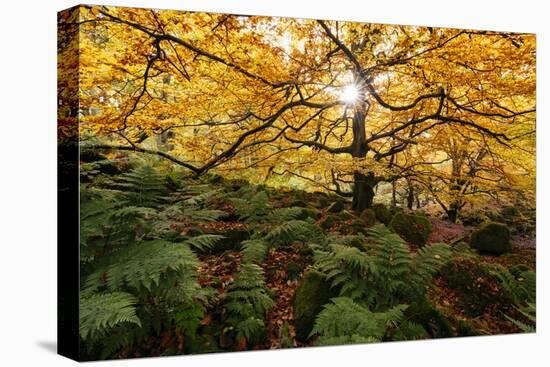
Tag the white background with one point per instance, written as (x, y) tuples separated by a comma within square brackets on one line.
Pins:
[(28, 182)]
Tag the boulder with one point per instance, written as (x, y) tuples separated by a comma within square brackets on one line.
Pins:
[(312, 294), (383, 214), (345, 215), (293, 271), (509, 211), (368, 216), (336, 207), (358, 226), (328, 222), (412, 228), (461, 246), (311, 213), (492, 238), (298, 203)]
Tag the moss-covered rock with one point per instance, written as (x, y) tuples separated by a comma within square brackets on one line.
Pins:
[(492, 237), (193, 231), (474, 218), (298, 203), (311, 295), (336, 207), (319, 200), (345, 215), (462, 246), (328, 222), (383, 214), (311, 213), (509, 211), (355, 227), (368, 216), (293, 271), (413, 228)]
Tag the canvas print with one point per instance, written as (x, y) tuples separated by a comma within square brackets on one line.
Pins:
[(253, 182)]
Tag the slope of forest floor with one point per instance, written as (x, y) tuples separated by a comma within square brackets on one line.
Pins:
[(278, 230)]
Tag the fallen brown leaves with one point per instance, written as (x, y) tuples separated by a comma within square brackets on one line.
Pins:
[(283, 288), (220, 226), (217, 271), (490, 322)]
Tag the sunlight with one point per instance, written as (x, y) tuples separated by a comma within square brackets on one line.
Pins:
[(350, 94)]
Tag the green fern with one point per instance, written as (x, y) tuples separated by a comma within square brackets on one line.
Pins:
[(346, 268), (427, 261), (187, 318), (246, 302), (344, 320), (391, 259), (254, 209), (143, 186), (285, 214), (521, 289), (96, 206), (292, 231), (396, 272), (101, 312), (198, 195), (204, 242), (409, 330), (385, 272), (204, 215), (146, 265), (254, 250), (530, 313)]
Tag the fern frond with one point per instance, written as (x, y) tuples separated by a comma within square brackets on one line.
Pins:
[(144, 265), (409, 330), (250, 328), (205, 215), (246, 301), (196, 199), (521, 289), (530, 313), (254, 250), (427, 262), (343, 318), (100, 312), (143, 186), (253, 210), (284, 214), (346, 268), (204, 242), (292, 231)]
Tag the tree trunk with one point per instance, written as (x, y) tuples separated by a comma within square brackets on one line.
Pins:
[(393, 193), (452, 215), (363, 191), (410, 195), (363, 186), (453, 211)]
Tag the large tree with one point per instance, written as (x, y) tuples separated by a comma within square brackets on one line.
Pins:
[(335, 104)]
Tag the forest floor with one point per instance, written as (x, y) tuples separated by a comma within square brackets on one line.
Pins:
[(258, 247), (218, 272)]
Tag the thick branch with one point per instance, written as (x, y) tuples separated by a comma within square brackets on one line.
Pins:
[(135, 148)]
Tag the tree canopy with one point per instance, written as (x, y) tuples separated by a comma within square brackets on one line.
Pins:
[(330, 105)]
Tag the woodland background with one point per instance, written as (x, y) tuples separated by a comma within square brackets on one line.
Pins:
[(499, 348)]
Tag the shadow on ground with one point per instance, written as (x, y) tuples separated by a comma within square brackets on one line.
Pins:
[(50, 346)]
